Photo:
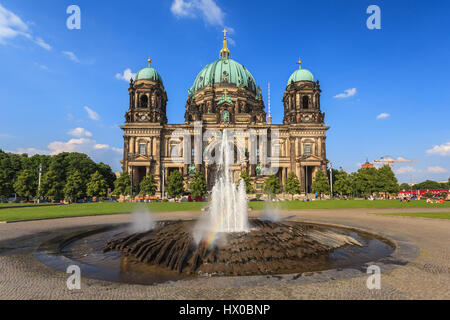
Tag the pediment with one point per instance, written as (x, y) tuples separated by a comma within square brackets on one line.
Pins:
[(142, 158)]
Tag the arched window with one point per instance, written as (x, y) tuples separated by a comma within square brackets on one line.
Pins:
[(144, 101), (305, 102)]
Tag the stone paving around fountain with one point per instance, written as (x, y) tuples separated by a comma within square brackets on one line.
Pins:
[(421, 270)]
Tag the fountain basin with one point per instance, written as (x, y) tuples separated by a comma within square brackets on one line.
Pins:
[(169, 252)]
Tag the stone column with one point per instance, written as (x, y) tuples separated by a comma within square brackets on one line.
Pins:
[(132, 144)]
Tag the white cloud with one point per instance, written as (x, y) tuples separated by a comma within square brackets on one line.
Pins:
[(30, 151), (97, 152), (436, 170), (127, 75), (71, 56), (347, 94), (443, 149), (41, 66), (206, 9), (80, 132), (383, 116), (12, 26), (43, 44), (405, 170), (92, 114)]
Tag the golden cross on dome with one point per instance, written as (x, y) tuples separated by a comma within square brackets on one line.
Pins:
[(300, 63), (225, 33), (149, 62)]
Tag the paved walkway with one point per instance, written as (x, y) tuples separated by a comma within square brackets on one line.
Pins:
[(422, 271)]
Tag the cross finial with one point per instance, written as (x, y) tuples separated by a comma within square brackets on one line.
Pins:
[(300, 63), (149, 62), (225, 33)]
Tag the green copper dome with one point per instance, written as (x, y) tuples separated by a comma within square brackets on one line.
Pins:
[(148, 74), (224, 71), (301, 75)]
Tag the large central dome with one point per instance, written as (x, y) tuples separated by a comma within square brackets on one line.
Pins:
[(224, 72)]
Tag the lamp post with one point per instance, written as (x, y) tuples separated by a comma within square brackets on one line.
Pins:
[(163, 177), (39, 183), (331, 179)]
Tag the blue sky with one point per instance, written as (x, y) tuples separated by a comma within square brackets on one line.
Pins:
[(55, 80)]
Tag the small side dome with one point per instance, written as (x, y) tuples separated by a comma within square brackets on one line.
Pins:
[(301, 75), (148, 73)]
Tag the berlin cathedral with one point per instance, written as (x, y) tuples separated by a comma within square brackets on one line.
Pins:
[(224, 96)]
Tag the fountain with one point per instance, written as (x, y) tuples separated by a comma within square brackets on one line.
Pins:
[(229, 203), (225, 242)]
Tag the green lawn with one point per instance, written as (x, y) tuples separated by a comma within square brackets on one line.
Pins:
[(76, 210), (349, 204), (12, 205), (434, 215), (88, 209)]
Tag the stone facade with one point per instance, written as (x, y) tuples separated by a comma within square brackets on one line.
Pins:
[(151, 145)]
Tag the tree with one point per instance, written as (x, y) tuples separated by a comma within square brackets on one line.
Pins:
[(248, 186), (148, 186), (107, 174), (292, 185), (6, 185), (175, 184), (386, 180), (342, 183), (122, 185), (51, 186), (272, 186), (198, 186), (26, 184), (97, 186), (320, 184), (73, 188), (364, 181), (404, 186)]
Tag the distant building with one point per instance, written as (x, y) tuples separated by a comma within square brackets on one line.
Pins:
[(367, 164)]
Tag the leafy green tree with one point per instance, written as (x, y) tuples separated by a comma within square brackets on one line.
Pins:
[(342, 183), (122, 185), (6, 185), (97, 185), (272, 186), (107, 174), (198, 186), (320, 184), (427, 185), (51, 186), (364, 181), (404, 186), (26, 184), (386, 180), (248, 186), (73, 188), (292, 185), (147, 186), (175, 184)]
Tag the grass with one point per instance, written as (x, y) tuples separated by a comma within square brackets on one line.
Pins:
[(434, 215), (88, 209), (349, 204), (12, 205)]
